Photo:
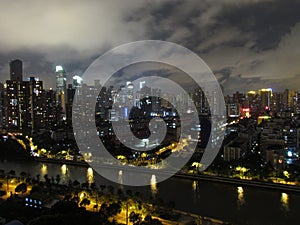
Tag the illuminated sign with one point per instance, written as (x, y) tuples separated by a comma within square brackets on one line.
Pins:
[(246, 109)]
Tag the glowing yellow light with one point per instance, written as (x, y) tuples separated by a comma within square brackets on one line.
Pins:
[(121, 157), (264, 117), (240, 190), (44, 169), (241, 198), (90, 175), (196, 164), (252, 92), (195, 185), (81, 195), (266, 89), (90, 171), (64, 169), (153, 185), (285, 201), (286, 173)]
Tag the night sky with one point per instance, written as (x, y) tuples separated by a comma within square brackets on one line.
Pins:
[(248, 44)]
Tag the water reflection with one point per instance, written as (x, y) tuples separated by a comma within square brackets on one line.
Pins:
[(64, 173), (90, 175), (285, 201), (153, 185), (241, 196), (44, 170), (120, 178), (195, 186)]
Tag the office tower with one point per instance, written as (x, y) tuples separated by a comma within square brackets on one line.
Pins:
[(61, 88), (70, 97), (297, 102), (16, 70), (265, 96), (285, 99), (278, 105), (291, 100), (2, 111), (51, 115), (200, 100), (36, 104), (251, 95), (251, 103), (239, 98)]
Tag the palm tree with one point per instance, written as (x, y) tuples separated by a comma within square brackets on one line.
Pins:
[(111, 189), (57, 179), (23, 175), (102, 187)]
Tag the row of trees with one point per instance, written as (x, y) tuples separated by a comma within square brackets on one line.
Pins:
[(109, 200)]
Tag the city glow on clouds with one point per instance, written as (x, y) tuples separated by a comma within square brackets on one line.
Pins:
[(248, 44)]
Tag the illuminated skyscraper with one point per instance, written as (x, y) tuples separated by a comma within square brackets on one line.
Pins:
[(77, 81), (250, 97), (36, 104), (61, 87), (2, 113), (24, 105), (51, 114), (16, 70), (265, 98), (69, 104)]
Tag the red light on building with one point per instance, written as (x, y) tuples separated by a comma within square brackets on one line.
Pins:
[(245, 112), (245, 109)]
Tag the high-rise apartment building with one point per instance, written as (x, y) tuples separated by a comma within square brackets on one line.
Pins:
[(2, 112), (24, 105), (16, 70), (265, 96), (50, 115)]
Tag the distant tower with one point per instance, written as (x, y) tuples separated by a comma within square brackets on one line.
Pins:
[(16, 70), (61, 87)]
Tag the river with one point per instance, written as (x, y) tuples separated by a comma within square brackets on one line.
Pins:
[(227, 202)]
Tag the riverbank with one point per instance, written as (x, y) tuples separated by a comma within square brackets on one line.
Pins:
[(237, 204), (219, 179), (60, 192)]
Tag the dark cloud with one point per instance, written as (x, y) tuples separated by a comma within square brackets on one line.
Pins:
[(250, 41), (266, 21)]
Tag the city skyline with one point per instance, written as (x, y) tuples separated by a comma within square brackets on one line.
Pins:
[(70, 78), (248, 45), (150, 112)]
